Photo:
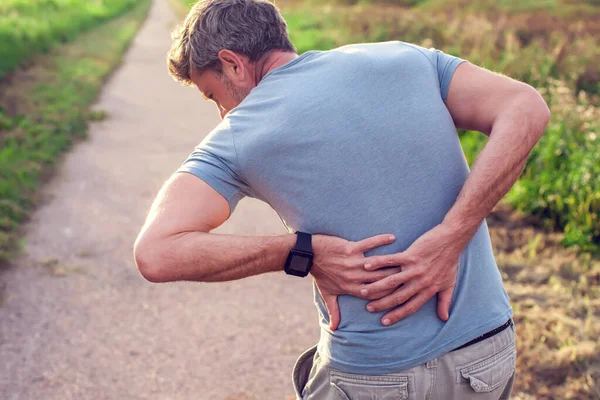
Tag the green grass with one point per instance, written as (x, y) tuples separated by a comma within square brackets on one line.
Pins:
[(28, 27), (45, 107), (559, 8)]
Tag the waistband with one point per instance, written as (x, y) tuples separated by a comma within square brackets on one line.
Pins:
[(486, 335)]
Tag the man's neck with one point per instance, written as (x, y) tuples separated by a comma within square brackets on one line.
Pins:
[(270, 61)]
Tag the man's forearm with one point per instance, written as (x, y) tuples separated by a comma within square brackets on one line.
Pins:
[(208, 257), (498, 166)]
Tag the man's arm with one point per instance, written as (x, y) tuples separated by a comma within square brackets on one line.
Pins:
[(174, 243), (514, 116)]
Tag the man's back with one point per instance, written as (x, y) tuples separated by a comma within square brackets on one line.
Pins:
[(356, 142)]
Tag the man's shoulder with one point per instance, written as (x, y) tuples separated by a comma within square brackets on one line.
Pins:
[(394, 50), (219, 139), (391, 45)]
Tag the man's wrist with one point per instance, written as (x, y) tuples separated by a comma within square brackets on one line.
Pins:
[(300, 258), (280, 246), (317, 245), (461, 227)]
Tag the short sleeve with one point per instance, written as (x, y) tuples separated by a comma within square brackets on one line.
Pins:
[(215, 162), (445, 65)]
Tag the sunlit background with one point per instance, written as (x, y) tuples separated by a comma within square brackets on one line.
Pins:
[(56, 54)]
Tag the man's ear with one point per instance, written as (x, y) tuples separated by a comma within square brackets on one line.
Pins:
[(234, 65)]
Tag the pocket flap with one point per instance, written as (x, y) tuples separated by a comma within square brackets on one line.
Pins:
[(365, 387), (490, 373)]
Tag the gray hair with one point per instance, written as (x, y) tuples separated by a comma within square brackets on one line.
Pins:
[(249, 27)]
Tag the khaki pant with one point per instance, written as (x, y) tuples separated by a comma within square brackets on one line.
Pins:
[(483, 371)]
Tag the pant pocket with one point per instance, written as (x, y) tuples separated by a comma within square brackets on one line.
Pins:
[(370, 387), (301, 371), (488, 374)]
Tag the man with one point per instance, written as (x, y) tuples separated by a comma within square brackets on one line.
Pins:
[(358, 147)]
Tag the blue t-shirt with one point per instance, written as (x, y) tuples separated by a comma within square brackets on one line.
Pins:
[(355, 142)]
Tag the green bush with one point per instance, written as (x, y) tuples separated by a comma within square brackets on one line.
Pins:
[(28, 27), (561, 181)]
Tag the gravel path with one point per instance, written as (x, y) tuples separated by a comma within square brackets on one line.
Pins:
[(77, 321)]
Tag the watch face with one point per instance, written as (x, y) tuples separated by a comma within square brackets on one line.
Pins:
[(299, 263)]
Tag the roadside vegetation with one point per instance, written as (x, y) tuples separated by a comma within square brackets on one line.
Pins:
[(546, 232), (44, 102), (28, 27)]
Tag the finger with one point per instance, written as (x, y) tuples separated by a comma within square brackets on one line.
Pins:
[(398, 297), (333, 309), (373, 242), (371, 296), (359, 279), (392, 281), (443, 303), (406, 309), (388, 260), (377, 296), (374, 276)]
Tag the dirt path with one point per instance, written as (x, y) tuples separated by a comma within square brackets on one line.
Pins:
[(77, 321)]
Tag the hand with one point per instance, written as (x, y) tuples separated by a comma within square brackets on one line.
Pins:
[(429, 266), (338, 268)]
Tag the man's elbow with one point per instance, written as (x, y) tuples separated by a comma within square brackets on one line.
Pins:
[(149, 261), (538, 109)]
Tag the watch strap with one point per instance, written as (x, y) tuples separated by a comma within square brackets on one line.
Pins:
[(304, 242)]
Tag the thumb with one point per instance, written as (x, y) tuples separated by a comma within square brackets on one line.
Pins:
[(333, 309), (443, 303)]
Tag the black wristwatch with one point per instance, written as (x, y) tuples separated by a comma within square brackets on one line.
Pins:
[(300, 259)]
